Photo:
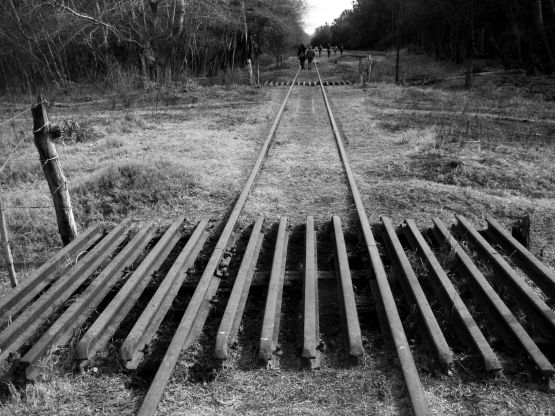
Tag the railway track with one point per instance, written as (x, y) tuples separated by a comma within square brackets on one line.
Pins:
[(136, 259)]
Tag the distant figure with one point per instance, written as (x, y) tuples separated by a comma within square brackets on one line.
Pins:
[(320, 51), (341, 49), (301, 54), (334, 50), (310, 56), (328, 49)]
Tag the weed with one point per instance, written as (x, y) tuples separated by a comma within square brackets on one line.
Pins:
[(73, 131)]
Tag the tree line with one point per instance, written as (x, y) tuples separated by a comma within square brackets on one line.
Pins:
[(84, 40), (519, 32)]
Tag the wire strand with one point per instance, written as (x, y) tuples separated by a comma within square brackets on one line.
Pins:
[(11, 153), (23, 112), (30, 207)]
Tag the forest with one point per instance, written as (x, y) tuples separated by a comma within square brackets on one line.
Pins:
[(88, 41), (520, 33)]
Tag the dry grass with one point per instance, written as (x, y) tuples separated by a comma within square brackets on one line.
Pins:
[(190, 154)]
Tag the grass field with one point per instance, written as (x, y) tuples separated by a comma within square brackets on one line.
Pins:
[(417, 152)]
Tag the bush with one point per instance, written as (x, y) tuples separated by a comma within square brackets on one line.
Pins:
[(73, 131)]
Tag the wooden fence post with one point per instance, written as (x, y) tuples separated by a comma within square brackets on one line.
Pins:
[(6, 244), (53, 172)]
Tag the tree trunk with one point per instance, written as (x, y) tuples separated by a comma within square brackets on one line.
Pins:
[(245, 33), (53, 172), (516, 31), (179, 18), (397, 40), (6, 243), (540, 27)]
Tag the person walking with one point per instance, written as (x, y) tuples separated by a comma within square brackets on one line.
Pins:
[(310, 56), (328, 49), (301, 54), (319, 50), (341, 49)]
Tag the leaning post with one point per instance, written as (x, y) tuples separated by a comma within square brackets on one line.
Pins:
[(6, 244), (53, 172)]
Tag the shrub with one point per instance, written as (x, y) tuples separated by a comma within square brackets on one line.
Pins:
[(73, 131)]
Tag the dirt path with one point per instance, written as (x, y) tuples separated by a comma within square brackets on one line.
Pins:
[(302, 174)]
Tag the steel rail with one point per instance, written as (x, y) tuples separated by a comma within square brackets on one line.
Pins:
[(111, 317), (508, 327), (346, 293), (415, 295), (536, 309), (311, 330), (197, 310), (46, 274), (151, 317), (408, 366), (465, 326), (229, 326), (542, 275), (61, 330), (33, 317), (272, 311)]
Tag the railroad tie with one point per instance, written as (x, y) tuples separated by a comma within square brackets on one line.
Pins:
[(311, 327), (508, 327), (34, 316), (272, 312), (459, 317), (538, 272), (148, 323), (539, 313), (345, 293), (229, 326), (111, 317), (61, 331), (415, 295), (46, 274)]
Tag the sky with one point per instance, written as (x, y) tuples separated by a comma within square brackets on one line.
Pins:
[(322, 11)]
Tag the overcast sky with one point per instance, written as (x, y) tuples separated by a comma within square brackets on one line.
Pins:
[(322, 11)]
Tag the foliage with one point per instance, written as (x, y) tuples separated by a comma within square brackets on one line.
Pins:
[(162, 40), (521, 33)]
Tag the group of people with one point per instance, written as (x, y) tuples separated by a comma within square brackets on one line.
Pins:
[(307, 54)]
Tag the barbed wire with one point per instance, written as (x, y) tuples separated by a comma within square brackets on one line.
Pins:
[(29, 207), (23, 112), (12, 152)]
